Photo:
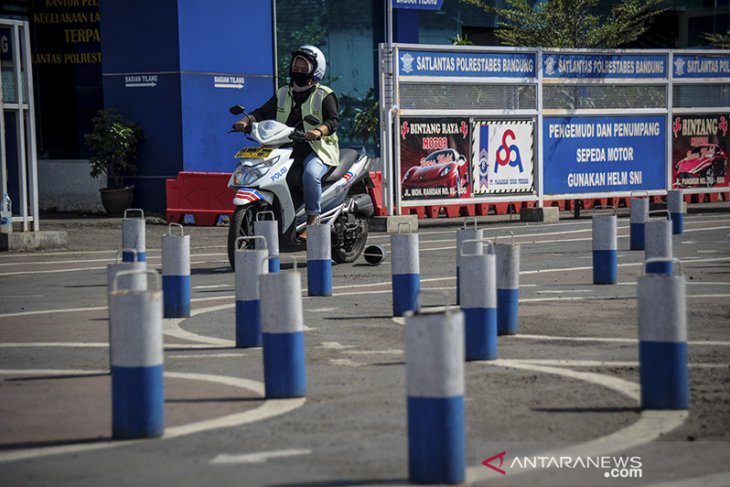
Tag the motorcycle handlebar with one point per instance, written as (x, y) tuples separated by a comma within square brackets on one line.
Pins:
[(298, 136)]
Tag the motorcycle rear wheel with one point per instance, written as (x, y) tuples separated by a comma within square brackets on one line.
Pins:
[(241, 226)]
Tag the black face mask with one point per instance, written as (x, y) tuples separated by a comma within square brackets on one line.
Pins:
[(299, 79)]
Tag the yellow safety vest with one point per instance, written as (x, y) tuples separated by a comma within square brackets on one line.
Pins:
[(327, 147)]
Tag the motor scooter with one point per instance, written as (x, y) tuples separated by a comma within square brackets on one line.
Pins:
[(266, 179)]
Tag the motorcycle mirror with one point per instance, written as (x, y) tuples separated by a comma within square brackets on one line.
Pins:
[(312, 120), (236, 110)]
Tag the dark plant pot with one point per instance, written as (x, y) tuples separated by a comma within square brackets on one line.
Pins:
[(116, 200)]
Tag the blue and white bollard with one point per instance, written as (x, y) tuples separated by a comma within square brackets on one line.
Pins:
[(269, 229), (659, 244), (465, 233), (249, 266), (663, 364), (282, 327), (319, 260), (137, 364), (508, 287), (639, 215), (135, 282), (435, 390), (406, 274), (479, 303), (176, 273), (133, 236), (675, 205), (605, 249)]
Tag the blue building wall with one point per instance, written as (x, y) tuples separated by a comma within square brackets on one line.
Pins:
[(175, 67)]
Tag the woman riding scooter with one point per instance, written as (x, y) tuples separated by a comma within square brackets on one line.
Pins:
[(290, 105)]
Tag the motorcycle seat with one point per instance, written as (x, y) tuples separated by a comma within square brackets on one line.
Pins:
[(347, 159)]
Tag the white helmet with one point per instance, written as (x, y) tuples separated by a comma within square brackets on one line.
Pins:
[(315, 57)]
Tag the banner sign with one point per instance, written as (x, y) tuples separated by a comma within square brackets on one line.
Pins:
[(699, 150), (604, 66), (434, 158), (503, 157), (418, 4), (701, 66), (476, 65), (603, 154)]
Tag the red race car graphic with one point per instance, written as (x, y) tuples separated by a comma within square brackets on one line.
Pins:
[(704, 165), (442, 173)]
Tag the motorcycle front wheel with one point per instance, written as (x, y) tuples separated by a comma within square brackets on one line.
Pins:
[(349, 250), (241, 226)]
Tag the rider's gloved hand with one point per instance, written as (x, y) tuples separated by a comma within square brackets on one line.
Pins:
[(313, 134), (244, 125)]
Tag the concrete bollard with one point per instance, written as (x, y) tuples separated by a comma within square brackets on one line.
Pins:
[(508, 287), (474, 235), (283, 334), (319, 260), (269, 229), (675, 205), (135, 282), (605, 248), (249, 267), (133, 236), (659, 243), (639, 215), (176, 273), (404, 270), (137, 364), (435, 394), (479, 303), (663, 373)]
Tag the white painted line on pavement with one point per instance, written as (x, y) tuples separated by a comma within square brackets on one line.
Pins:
[(344, 362), (607, 339), (650, 425), (334, 346), (261, 457), (607, 363), (207, 355), (267, 410)]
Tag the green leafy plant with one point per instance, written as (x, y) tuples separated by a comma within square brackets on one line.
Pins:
[(366, 125), (113, 143), (460, 41), (570, 23), (717, 40)]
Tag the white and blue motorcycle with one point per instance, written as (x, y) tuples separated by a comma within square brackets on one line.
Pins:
[(260, 182)]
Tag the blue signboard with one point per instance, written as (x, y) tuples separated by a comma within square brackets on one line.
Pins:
[(451, 64), (602, 66), (701, 66), (418, 4), (603, 154)]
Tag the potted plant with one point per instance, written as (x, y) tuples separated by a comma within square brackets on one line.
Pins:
[(113, 143)]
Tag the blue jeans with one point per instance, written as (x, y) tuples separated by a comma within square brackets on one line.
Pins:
[(314, 170)]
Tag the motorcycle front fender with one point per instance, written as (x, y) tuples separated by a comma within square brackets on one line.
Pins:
[(246, 196)]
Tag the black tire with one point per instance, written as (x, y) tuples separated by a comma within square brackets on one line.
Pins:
[(241, 226), (351, 252)]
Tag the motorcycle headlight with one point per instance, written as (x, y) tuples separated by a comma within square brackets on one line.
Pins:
[(246, 173)]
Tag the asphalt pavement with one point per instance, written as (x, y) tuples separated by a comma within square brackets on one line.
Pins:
[(561, 401)]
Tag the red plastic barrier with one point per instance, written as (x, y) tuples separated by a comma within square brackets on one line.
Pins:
[(204, 195), (376, 193)]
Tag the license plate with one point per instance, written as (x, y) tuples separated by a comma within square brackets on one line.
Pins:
[(253, 153)]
